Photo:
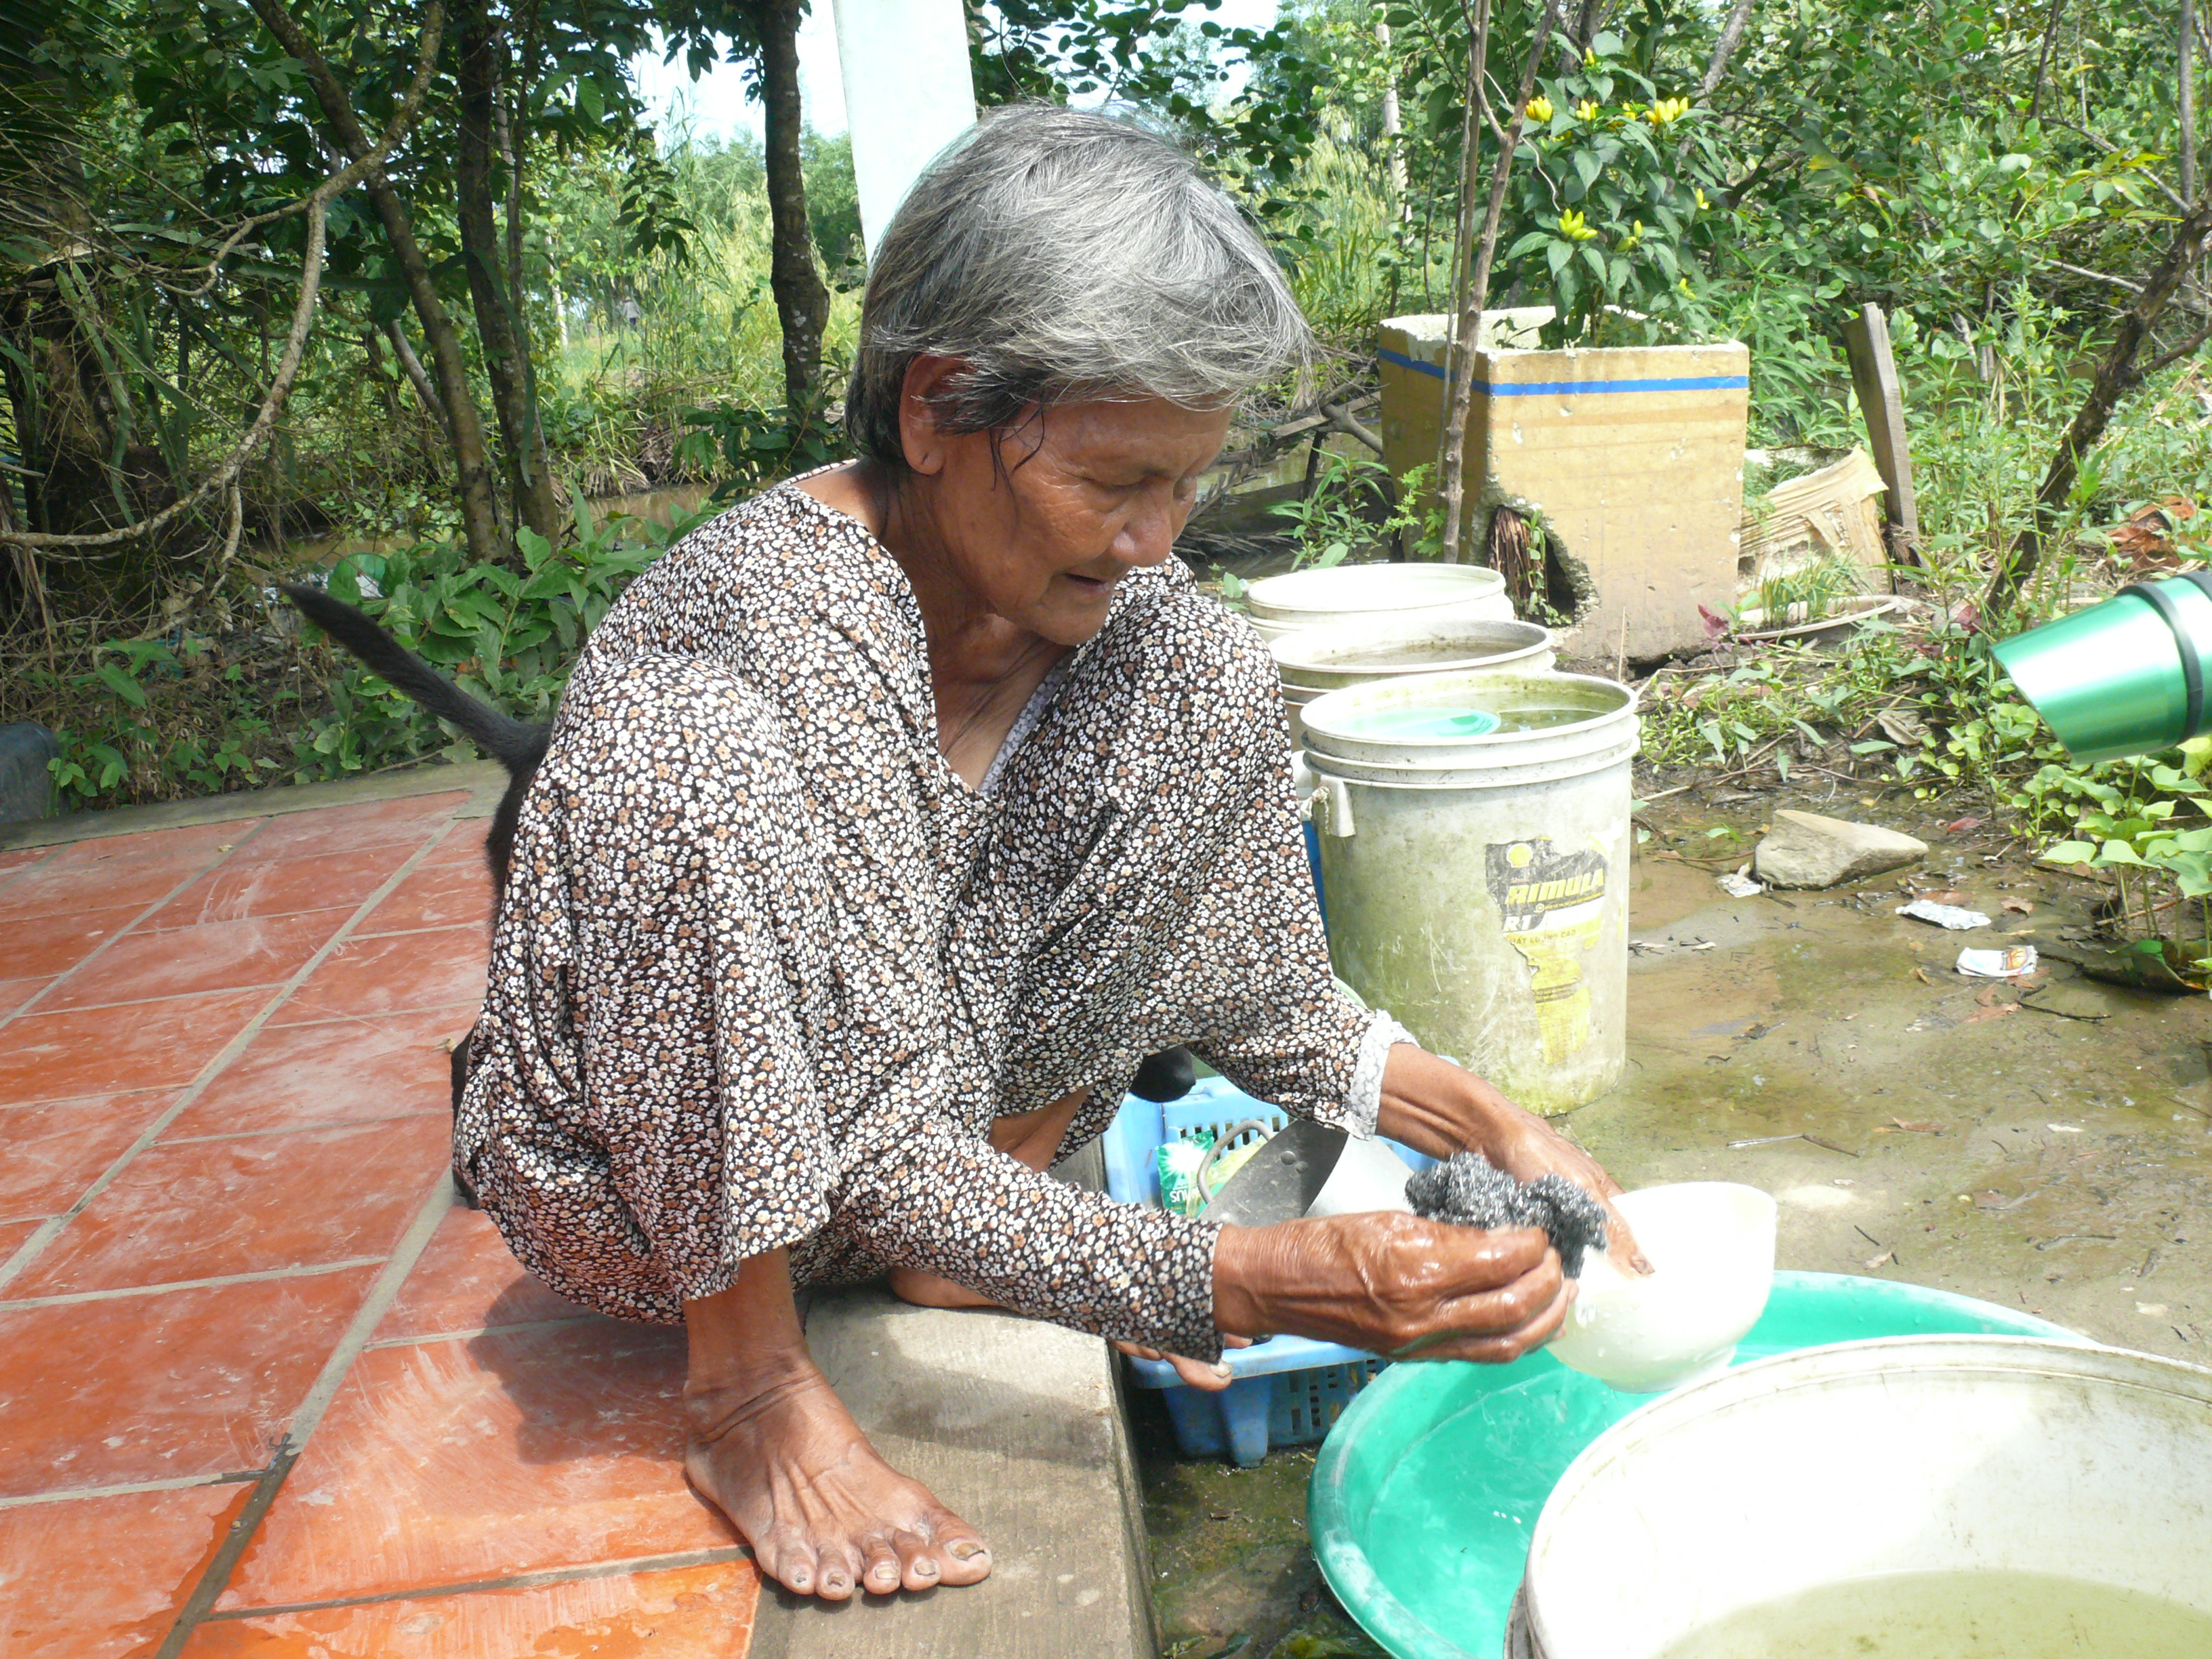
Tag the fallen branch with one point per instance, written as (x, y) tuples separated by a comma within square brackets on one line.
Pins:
[(316, 206), (2115, 376), (1339, 418)]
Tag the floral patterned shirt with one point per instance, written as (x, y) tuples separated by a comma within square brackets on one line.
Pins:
[(767, 969)]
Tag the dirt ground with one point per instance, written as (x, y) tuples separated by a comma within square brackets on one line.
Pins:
[(2053, 1153)]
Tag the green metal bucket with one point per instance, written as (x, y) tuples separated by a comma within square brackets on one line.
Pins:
[(2125, 677)]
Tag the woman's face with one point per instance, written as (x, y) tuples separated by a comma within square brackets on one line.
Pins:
[(1041, 533)]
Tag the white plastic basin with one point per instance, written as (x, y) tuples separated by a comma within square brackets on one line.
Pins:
[(1947, 1457)]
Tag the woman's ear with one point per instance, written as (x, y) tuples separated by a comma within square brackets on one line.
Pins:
[(919, 436)]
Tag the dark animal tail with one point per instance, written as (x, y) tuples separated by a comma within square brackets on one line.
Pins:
[(514, 744)]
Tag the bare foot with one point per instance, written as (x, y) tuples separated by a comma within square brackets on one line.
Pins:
[(823, 1512), (1196, 1372)]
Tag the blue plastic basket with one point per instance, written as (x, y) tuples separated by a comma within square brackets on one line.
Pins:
[(1288, 1390)]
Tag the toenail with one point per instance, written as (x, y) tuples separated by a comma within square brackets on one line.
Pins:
[(925, 1569), (967, 1550)]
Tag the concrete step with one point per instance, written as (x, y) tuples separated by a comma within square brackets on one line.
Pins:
[(1016, 1426), (1019, 1427)]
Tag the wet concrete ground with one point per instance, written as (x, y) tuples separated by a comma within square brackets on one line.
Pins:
[(2054, 1154)]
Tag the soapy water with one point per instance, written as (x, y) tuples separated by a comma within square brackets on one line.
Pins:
[(1453, 724), (1956, 1615), (1423, 725), (1462, 1498)]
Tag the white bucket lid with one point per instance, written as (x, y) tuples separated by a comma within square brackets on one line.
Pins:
[(1341, 740), (1345, 589), (1371, 648)]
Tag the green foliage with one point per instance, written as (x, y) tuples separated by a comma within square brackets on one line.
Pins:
[(1928, 156), (753, 447), (121, 733), (1354, 506), (1929, 713), (156, 718), (1338, 234), (2147, 823), (1613, 180), (1806, 595), (507, 636)]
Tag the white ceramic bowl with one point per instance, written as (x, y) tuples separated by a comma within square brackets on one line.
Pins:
[(1712, 1244)]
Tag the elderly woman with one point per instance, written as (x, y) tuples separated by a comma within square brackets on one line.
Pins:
[(891, 818)]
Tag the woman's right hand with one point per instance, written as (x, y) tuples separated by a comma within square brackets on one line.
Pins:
[(1393, 1284)]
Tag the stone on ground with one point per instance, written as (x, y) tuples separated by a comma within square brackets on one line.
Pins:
[(1807, 850)]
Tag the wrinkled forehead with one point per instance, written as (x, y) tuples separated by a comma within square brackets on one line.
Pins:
[(1137, 434)]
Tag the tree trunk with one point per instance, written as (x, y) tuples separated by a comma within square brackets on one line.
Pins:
[(2186, 100), (418, 377), (1394, 125), (1731, 36), (802, 303), (88, 469), (1475, 286), (480, 517), (2043, 60), (428, 423), (2115, 376), (506, 344)]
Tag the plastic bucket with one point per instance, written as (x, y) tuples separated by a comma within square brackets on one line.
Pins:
[(1310, 599), (1320, 660), (1477, 886), (1287, 1390), (1966, 1454), (1422, 1501), (2125, 677)]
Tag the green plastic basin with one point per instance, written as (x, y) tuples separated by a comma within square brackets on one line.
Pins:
[(1426, 1490)]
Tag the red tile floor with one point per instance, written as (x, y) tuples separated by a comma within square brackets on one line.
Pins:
[(265, 1389)]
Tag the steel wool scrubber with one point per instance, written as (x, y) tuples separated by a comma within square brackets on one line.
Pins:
[(1470, 1191)]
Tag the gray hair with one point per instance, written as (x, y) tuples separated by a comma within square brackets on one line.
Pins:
[(1061, 256)]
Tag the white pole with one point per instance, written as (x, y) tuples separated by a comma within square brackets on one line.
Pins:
[(909, 93), (1392, 128)]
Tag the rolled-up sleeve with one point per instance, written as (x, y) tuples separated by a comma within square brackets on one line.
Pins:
[(932, 1198)]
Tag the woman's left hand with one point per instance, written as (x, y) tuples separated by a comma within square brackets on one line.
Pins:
[(1525, 1147), (1439, 1108)]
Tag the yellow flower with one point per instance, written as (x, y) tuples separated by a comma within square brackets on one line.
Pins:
[(1668, 111), (1684, 285), (1628, 243), (1571, 227), (1703, 204), (1587, 110), (1589, 59), (1539, 109)]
